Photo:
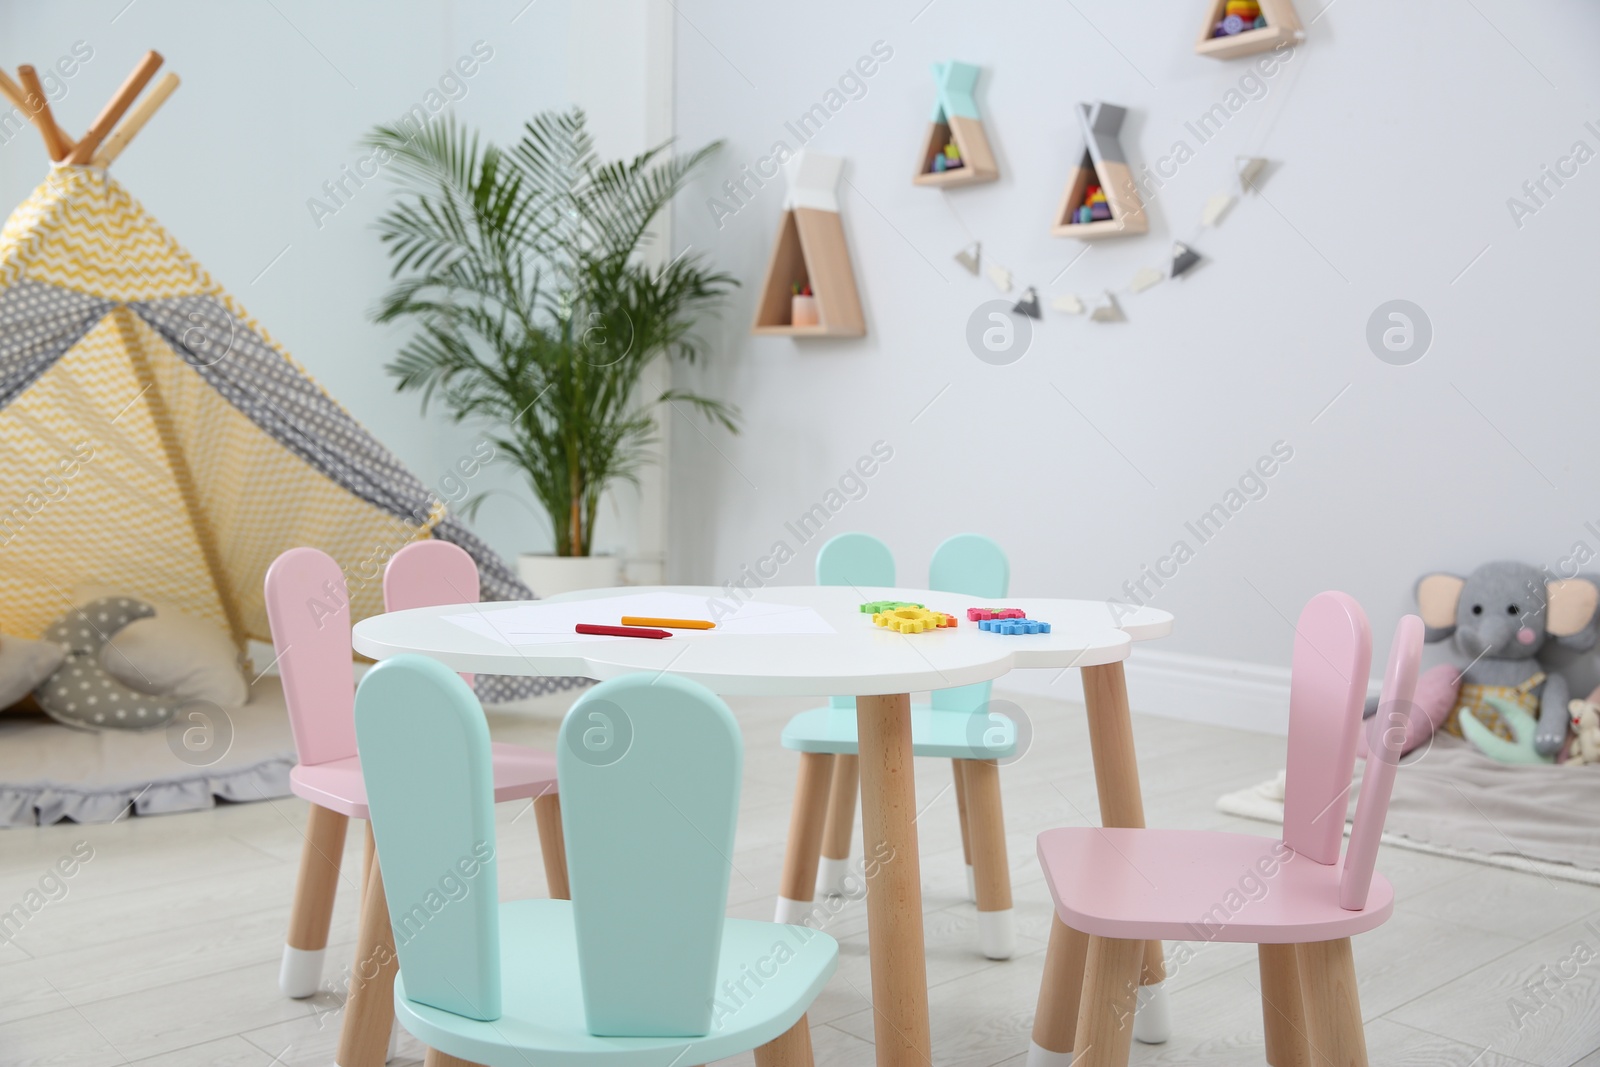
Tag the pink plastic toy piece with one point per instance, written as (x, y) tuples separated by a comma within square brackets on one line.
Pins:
[(1394, 716), (987, 614)]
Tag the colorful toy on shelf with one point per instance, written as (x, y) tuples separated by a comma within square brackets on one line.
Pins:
[(1238, 16), (803, 306), (1242, 27), (1101, 198), (913, 620), (984, 614), (956, 150), (1014, 626), (875, 607)]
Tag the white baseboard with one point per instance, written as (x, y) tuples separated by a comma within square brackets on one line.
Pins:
[(1174, 685)]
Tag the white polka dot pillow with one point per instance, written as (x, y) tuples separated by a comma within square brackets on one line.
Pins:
[(81, 693)]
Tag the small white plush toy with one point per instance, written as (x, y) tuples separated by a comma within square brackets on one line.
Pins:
[(1586, 730)]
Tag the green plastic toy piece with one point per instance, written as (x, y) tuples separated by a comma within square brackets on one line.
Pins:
[(873, 607)]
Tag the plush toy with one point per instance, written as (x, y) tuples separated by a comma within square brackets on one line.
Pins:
[(1586, 731), (1505, 617), (1433, 701), (84, 694)]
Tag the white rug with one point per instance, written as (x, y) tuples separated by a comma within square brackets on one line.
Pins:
[(1450, 800)]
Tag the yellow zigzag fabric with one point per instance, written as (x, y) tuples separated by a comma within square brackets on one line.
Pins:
[(81, 230)]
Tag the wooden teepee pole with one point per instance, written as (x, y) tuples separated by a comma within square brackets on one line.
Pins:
[(136, 119), (115, 107), (29, 98)]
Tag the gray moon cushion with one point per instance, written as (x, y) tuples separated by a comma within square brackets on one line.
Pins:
[(24, 664), (81, 693)]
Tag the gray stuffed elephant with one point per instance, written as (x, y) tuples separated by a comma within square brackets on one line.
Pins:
[(1508, 620)]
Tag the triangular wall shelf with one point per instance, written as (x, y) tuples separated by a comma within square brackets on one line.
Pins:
[(1283, 24), (1102, 164), (810, 250), (956, 121)]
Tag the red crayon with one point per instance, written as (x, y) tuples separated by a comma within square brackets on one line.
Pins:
[(621, 631)]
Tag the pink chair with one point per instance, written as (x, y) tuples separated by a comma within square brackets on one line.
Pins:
[(1115, 889), (308, 609)]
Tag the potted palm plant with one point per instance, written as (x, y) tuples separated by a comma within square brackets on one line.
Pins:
[(536, 313)]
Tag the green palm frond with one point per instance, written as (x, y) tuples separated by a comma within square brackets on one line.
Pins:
[(520, 269)]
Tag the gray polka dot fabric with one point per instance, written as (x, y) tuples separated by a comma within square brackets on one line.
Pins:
[(81, 693), (38, 324)]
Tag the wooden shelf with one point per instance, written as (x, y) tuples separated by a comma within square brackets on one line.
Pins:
[(955, 119), (1283, 24), (1104, 164), (810, 250), (808, 331)]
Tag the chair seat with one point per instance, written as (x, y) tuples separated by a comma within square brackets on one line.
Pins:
[(1195, 885), (519, 773), (767, 975), (945, 734)]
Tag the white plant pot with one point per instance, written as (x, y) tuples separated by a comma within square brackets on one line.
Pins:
[(550, 575)]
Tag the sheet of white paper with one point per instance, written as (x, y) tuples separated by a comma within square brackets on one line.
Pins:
[(538, 624)]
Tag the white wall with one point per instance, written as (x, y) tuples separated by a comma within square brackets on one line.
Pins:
[(1401, 130), (272, 106)]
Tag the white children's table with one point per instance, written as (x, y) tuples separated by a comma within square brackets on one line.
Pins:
[(878, 667)]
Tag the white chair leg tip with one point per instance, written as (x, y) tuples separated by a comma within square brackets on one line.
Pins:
[(997, 934), (300, 974), (831, 874), (1043, 1057), (1152, 1018), (792, 912)]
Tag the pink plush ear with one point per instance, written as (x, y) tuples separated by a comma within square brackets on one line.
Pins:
[(1435, 696), (1571, 606), (1438, 595)]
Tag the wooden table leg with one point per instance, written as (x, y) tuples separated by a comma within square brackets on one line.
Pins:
[(894, 884), (1116, 779), (369, 1005)]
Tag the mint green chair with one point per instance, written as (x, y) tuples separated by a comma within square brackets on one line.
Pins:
[(957, 724), (640, 967)]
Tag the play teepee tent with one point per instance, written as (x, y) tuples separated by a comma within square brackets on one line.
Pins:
[(154, 438)]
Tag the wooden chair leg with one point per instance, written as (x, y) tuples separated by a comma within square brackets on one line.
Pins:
[(798, 885), (839, 825), (960, 779), (370, 850), (792, 1048), (1332, 1006), (1105, 1009), (547, 814), (435, 1058), (301, 971), (369, 1006), (1055, 1022), (997, 934), (1283, 1007)]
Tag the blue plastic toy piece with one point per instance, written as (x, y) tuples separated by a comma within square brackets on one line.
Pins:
[(1014, 626)]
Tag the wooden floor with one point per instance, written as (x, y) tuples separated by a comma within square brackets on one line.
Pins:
[(163, 948)]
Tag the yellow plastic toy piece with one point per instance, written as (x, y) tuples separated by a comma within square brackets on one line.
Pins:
[(913, 620)]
